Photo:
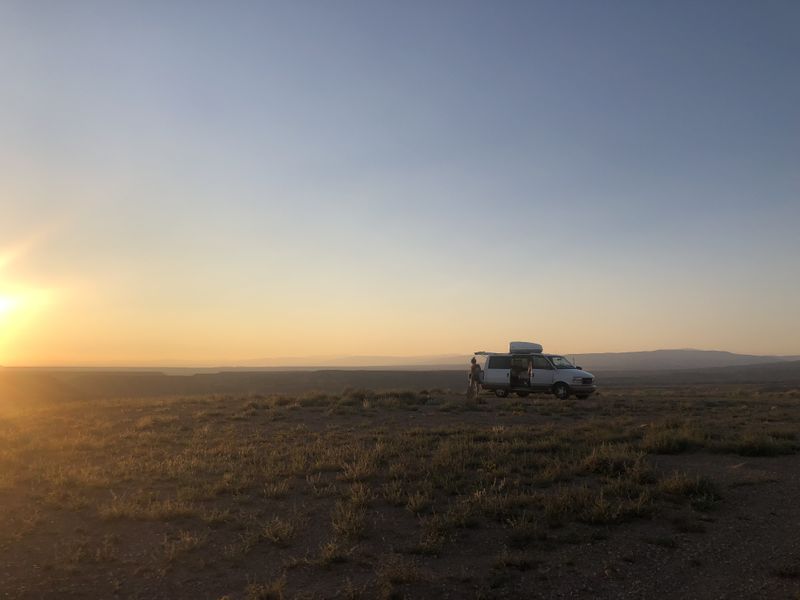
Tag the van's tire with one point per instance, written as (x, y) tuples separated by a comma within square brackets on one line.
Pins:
[(561, 390), (522, 394), (501, 393)]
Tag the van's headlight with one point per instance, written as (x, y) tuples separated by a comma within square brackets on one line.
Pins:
[(577, 380)]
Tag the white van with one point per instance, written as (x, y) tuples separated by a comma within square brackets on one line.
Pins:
[(525, 369)]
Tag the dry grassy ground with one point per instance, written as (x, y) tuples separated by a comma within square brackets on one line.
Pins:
[(636, 493)]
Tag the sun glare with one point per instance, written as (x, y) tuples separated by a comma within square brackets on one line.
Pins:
[(7, 304)]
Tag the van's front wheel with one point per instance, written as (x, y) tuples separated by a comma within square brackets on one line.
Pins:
[(561, 391)]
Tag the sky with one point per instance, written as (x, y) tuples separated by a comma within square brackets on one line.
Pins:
[(211, 182)]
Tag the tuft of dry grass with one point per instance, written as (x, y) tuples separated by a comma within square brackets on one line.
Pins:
[(82, 551), (349, 520), (419, 502), (761, 444), (701, 491), (333, 552), (273, 590), (154, 421), (394, 492), (276, 489), (147, 507), (611, 459), (184, 542), (395, 571), (359, 468), (672, 438), (279, 531)]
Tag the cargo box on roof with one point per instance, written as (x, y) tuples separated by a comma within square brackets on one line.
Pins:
[(524, 348)]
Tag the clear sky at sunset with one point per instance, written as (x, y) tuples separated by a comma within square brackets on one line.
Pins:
[(209, 182)]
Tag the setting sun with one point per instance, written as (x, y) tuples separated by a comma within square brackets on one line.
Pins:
[(23, 312), (7, 304)]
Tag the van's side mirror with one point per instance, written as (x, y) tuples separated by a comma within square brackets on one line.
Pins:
[(579, 367)]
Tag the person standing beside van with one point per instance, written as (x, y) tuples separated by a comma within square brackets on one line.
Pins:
[(475, 376)]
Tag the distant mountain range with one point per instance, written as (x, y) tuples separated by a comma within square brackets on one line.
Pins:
[(657, 360), (654, 360)]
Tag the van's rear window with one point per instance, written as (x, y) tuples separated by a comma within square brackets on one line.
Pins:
[(499, 362)]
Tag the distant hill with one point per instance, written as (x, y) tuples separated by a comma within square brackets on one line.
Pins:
[(659, 360)]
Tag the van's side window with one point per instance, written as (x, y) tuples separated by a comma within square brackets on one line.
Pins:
[(540, 362), (499, 362)]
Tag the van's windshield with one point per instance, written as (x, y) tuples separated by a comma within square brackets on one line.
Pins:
[(559, 362)]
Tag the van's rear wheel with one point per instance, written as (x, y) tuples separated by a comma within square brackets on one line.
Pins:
[(561, 391), (501, 393)]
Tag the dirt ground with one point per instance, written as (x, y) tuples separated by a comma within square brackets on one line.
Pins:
[(688, 493)]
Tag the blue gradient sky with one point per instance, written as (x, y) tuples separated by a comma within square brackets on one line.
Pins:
[(218, 181)]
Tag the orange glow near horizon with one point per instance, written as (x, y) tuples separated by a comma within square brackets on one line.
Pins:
[(92, 309), (135, 314), (130, 317), (22, 302)]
